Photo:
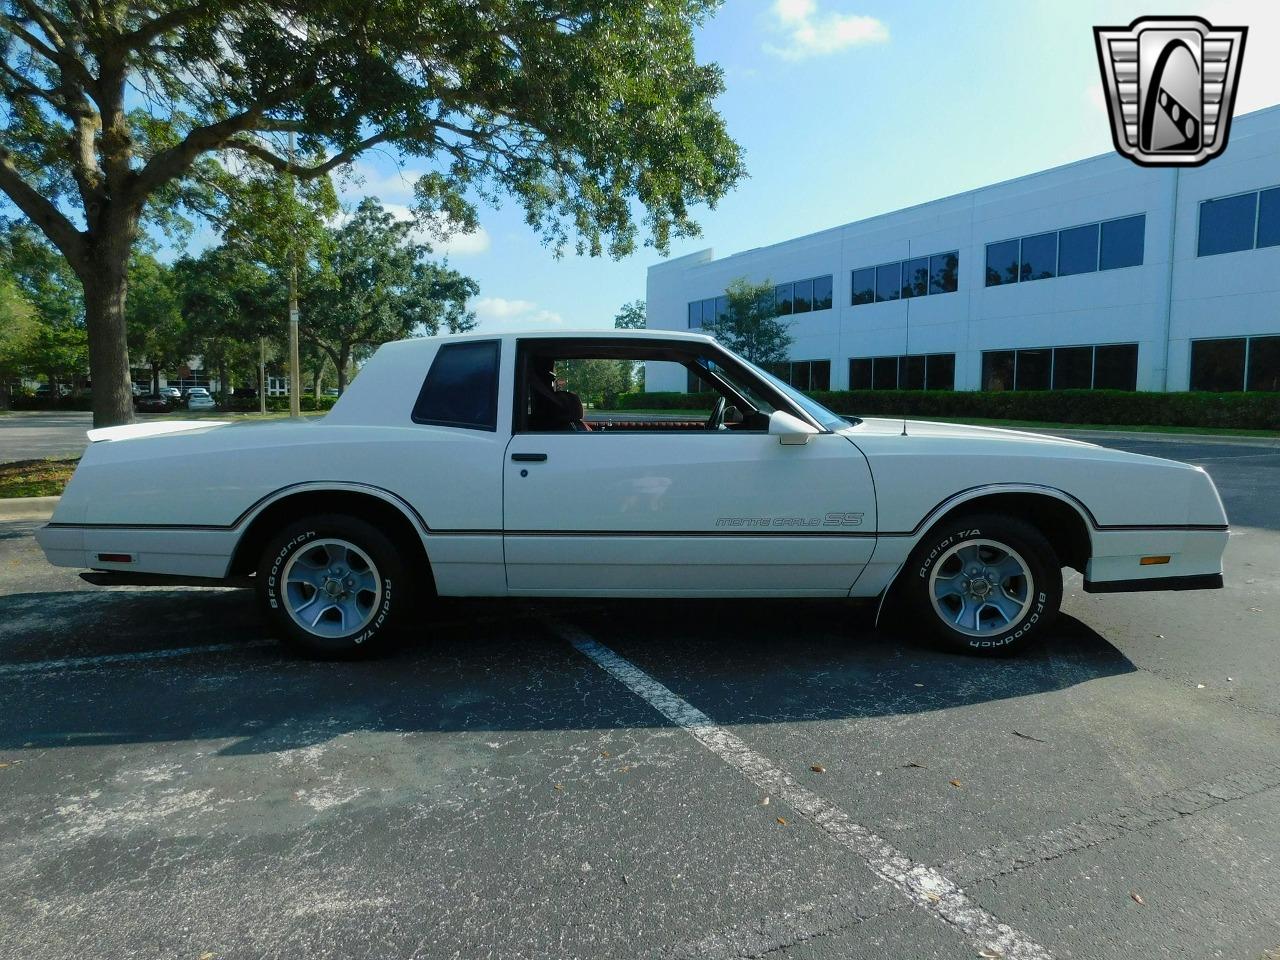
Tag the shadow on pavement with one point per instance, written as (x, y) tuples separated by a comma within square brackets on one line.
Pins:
[(491, 666)]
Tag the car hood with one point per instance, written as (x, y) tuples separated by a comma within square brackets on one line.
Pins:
[(882, 426)]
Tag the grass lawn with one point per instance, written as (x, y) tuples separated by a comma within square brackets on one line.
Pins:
[(35, 478)]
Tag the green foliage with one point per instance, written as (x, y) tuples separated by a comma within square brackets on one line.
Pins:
[(373, 284), (591, 115), (1255, 411), (598, 382), (55, 345), (752, 328), (631, 316), (157, 333)]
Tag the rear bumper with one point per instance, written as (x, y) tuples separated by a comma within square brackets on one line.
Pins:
[(1195, 581)]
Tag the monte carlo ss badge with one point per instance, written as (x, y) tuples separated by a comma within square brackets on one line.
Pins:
[(1170, 85)]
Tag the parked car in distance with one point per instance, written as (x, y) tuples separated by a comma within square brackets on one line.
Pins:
[(172, 393), (454, 467), (198, 398), (153, 403), (332, 392)]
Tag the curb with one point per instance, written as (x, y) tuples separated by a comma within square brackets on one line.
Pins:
[(1223, 438), (27, 508)]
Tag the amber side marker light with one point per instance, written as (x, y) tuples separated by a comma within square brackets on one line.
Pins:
[(125, 558), (1152, 561)]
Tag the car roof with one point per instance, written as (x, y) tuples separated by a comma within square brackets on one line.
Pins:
[(580, 334)]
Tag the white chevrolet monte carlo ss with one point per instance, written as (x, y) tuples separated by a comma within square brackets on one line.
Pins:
[(454, 467)]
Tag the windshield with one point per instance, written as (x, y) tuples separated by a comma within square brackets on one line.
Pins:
[(829, 419)]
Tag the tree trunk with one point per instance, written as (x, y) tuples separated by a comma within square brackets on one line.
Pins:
[(316, 381), (105, 282), (155, 377), (4, 391), (344, 357), (262, 374)]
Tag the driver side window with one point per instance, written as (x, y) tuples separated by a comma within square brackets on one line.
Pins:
[(586, 387)]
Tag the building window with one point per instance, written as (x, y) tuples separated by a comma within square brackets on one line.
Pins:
[(915, 277), (1115, 367), (860, 373), (803, 374), (934, 371), (1078, 250), (864, 285), (1269, 217), (710, 310), (1039, 257), (1123, 243), (944, 272), (888, 281), (903, 279), (1073, 368), (782, 298), (1094, 246), (802, 296), (1228, 224), (1236, 363), (822, 293), (1002, 263), (1264, 364), (1105, 367)]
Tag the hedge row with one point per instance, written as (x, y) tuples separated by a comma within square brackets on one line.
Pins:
[(1255, 411)]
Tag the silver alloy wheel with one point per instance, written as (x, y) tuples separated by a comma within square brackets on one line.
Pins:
[(981, 587), (331, 588)]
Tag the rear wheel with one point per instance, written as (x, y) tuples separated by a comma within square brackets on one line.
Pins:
[(985, 584), (333, 586)]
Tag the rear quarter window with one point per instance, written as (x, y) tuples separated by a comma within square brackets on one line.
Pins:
[(461, 388)]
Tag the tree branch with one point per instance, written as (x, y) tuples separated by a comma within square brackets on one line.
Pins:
[(305, 171), (42, 212)]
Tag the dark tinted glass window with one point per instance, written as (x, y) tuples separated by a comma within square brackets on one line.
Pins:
[(822, 293), (693, 383), (1227, 224), (1040, 256), (915, 277), (884, 373), (888, 281), (1264, 364), (860, 374), (1073, 368), (1269, 217), (695, 314), (1078, 250), (1115, 367), (1002, 263), (997, 370), (1033, 370), (1122, 242), (802, 298), (940, 373), (912, 373), (1217, 365), (721, 308), (944, 271), (820, 375), (461, 388), (782, 298), (864, 285)]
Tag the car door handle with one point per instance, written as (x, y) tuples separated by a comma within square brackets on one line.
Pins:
[(528, 457)]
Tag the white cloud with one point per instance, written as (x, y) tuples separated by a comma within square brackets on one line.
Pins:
[(812, 33), (457, 244), (499, 315)]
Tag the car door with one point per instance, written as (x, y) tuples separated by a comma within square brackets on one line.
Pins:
[(685, 513)]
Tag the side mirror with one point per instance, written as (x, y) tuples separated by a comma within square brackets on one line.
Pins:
[(789, 429)]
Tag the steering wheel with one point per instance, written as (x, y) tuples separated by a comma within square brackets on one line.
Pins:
[(716, 420)]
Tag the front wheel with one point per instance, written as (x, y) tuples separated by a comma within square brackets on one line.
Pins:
[(985, 584), (333, 586)]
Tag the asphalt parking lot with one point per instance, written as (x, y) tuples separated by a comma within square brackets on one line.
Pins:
[(641, 779)]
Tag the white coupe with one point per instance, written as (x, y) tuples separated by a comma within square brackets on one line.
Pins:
[(453, 466)]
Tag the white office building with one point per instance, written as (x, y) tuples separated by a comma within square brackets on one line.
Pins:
[(1097, 274)]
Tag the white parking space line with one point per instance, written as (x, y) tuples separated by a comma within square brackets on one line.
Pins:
[(922, 885), (106, 659)]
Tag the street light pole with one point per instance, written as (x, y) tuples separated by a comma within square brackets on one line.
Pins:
[(295, 376)]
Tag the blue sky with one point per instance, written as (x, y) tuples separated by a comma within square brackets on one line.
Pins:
[(847, 109)]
